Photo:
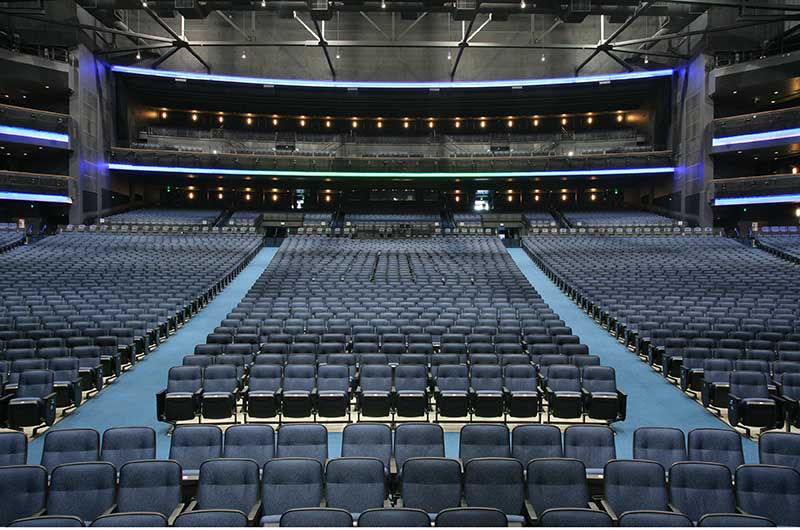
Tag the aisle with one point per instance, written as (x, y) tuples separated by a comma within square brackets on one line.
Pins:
[(652, 400), (131, 399)]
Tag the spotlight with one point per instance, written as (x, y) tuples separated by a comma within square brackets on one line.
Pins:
[(510, 123), (244, 54), (338, 55), (536, 122), (593, 197), (194, 116), (163, 115), (275, 121), (646, 59), (219, 196), (564, 197), (302, 123), (380, 124), (355, 124), (328, 123), (327, 198), (458, 124), (263, 3), (274, 197), (430, 124), (191, 195), (522, 4), (449, 55), (483, 124), (138, 55), (536, 198), (405, 124), (247, 197), (510, 198), (619, 118), (458, 199), (543, 58), (249, 121), (144, 3), (794, 170), (589, 120), (221, 119), (563, 121), (383, 4)]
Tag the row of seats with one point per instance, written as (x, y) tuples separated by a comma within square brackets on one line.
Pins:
[(593, 445), (10, 239), (300, 477), (212, 391), (164, 216), (616, 218), (787, 244)]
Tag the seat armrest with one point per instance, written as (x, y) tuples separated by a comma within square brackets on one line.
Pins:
[(254, 511), (609, 510), (192, 506), (530, 513), (111, 509), (48, 397), (175, 513)]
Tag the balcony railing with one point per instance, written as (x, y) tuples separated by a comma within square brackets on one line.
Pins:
[(19, 181), (757, 122)]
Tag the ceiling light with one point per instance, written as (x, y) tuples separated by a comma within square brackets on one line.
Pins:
[(138, 55), (249, 121), (302, 123), (510, 123), (430, 124), (244, 54), (221, 119), (380, 124), (263, 3), (619, 118), (563, 121), (163, 115), (589, 120), (458, 124), (543, 58), (327, 123), (646, 59), (536, 122), (483, 124), (274, 121), (247, 197), (355, 124), (522, 4), (405, 124), (194, 117)]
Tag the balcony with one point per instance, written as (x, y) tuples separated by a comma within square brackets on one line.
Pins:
[(756, 131), (35, 127)]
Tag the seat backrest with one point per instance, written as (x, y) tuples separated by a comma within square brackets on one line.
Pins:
[(535, 441), (13, 449), (84, 490), (289, 483), (410, 377), (574, 517), (298, 377), (307, 440), (779, 449), (665, 445), (599, 379), (431, 484), (563, 378), (653, 518), (256, 442), (480, 441), (470, 517), (149, 486), (396, 517), (413, 440), (368, 440), (769, 491), (749, 384), (192, 445), (66, 446), (35, 384), (486, 377), (453, 377), (556, 483), (700, 488), (355, 484), (211, 518), (733, 520), (125, 444), (311, 517), (635, 485), (333, 377), (228, 483), (591, 444), (495, 483), (184, 379), (23, 490), (722, 446), (117, 520)]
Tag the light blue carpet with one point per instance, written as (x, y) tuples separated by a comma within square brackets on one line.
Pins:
[(652, 400), (131, 399)]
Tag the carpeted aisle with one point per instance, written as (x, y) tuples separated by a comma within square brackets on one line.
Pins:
[(652, 400), (131, 399)]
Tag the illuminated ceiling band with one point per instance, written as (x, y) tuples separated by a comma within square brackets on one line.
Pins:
[(34, 197), (782, 134), (22, 132), (310, 83), (761, 199), (389, 174)]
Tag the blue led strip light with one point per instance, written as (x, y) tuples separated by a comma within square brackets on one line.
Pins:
[(763, 199), (606, 78), (34, 134), (34, 197), (756, 137), (390, 174)]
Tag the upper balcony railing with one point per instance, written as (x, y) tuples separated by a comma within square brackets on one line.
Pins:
[(757, 122), (34, 119)]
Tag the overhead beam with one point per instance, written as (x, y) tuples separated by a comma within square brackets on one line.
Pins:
[(233, 24), (122, 51), (411, 26), (668, 36), (603, 46), (182, 43), (374, 25), (478, 30), (667, 55), (302, 23), (463, 44), (618, 60), (395, 44), (164, 57), (88, 27), (325, 50)]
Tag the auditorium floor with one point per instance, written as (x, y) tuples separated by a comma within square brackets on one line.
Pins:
[(652, 400)]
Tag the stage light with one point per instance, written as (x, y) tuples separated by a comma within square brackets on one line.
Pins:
[(194, 117), (797, 212), (563, 196), (794, 170), (219, 196), (458, 199), (138, 55), (263, 3), (536, 198), (646, 59), (543, 58), (244, 54), (510, 198), (449, 55), (383, 4), (327, 198), (522, 4), (536, 122)]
